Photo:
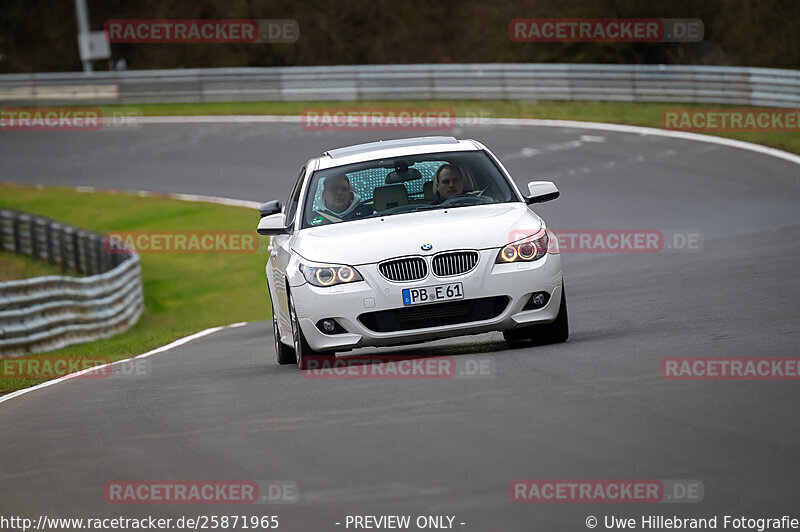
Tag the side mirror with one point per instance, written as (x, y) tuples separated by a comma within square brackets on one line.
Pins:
[(541, 191), (270, 207), (273, 224)]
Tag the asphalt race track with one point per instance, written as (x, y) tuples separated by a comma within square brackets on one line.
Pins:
[(219, 407)]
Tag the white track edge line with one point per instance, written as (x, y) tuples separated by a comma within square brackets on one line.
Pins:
[(622, 128), (177, 343)]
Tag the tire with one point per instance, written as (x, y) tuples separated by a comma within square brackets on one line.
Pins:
[(303, 352), (549, 333), (283, 353), (516, 338), (556, 332)]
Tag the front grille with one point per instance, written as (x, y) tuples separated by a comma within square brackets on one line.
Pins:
[(435, 314), (454, 263), (405, 269)]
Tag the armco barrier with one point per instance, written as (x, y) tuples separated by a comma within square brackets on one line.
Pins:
[(45, 313), (504, 81)]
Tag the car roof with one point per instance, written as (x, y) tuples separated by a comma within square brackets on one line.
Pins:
[(393, 148)]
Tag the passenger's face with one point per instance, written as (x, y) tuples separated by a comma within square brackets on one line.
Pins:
[(337, 195), (450, 184)]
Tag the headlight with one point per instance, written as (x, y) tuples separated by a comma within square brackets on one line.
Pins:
[(330, 275), (526, 250)]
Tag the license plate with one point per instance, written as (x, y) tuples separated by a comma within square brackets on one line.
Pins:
[(433, 294)]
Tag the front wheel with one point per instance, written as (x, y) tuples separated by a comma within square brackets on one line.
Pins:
[(556, 332), (516, 338), (549, 333), (283, 352), (303, 352)]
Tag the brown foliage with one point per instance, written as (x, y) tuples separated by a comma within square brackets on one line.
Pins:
[(40, 35)]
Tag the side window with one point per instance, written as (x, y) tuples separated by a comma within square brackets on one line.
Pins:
[(294, 198)]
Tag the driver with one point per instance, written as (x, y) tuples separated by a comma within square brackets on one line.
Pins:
[(449, 183), (339, 201)]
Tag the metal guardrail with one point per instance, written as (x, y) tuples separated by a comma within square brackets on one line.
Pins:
[(46, 313), (511, 81)]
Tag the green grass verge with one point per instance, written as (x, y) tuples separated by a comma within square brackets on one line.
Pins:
[(639, 114), (184, 293), (14, 267)]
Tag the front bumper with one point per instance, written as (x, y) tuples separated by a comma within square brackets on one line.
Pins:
[(346, 303)]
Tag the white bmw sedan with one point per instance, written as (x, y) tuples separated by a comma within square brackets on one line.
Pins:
[(404, 241)]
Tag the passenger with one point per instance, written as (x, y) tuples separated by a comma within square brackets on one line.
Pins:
[(340, 202), (449, 183)]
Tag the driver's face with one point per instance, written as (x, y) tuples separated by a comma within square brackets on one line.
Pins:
[(337, 195), (451, 184)]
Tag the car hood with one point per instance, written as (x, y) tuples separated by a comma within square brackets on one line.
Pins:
[(376, 239)]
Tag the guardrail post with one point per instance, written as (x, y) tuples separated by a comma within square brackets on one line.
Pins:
[(90, 260), (24, 227), (48, 231), (72, 249), (76, 252), (97, 253), (8, 229), (17, 240), (58, 244), (39, 239), (83, 252), (68, 246), (34, 239), (105, 255)]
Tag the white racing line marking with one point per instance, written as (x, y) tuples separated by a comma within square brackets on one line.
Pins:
[(641, 130), (177, 343), (183, 197), (247, 119), (555, 147), (602, 126), (215, 199)]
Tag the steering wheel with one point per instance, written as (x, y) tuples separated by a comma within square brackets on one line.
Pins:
[(466, 199)]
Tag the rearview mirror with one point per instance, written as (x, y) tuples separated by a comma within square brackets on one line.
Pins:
[(270, 207), (398, 176), (541, 191), (273, 224)]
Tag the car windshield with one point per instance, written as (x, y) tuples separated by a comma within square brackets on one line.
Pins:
[(404, 184)]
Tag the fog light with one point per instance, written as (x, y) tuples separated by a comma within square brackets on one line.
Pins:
[(537, 301), (330, 326)]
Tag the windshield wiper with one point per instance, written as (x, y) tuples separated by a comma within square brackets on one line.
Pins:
[(424, 208)]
